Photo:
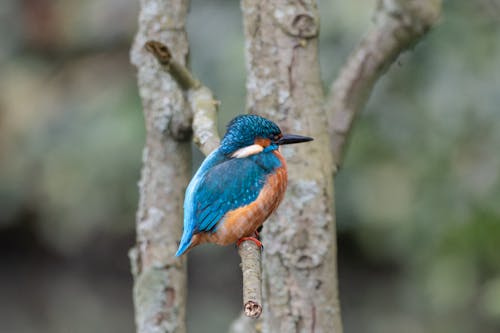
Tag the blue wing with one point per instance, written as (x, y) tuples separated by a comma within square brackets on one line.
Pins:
[(219, 186)]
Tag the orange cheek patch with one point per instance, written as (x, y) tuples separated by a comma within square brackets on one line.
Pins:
[(262, 142)]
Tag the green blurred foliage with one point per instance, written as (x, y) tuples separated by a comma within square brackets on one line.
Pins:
[(71, 156), (421, 184), (418, 200)]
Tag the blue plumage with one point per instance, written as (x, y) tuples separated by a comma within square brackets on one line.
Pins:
[(243, 130), (227, 181), (221, 185)]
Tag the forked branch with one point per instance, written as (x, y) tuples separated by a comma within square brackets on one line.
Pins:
[(203, 104), (399, 24), (204, 108)]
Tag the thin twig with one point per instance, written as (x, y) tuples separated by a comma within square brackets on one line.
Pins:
[(204, 107), (201, 100), (399, 24), (205, 136), (178, 71), (159, 277), (252, 278)]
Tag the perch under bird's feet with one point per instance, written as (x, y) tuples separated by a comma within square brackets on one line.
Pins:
[(252, 238), (252, 278)]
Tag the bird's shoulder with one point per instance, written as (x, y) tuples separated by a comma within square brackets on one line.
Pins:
[(227, 184)]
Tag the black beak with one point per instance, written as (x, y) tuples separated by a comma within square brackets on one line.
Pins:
[(287, 139)]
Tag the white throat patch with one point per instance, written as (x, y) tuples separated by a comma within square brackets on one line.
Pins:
[(247, 151)]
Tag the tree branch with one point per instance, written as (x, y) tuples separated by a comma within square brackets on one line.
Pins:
[(252, 278), (283, 83), (203, 104), (204, 108), (399, 24), (159, 276), (178, 71)]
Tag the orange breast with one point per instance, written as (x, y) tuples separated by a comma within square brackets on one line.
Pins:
[(245, 220)]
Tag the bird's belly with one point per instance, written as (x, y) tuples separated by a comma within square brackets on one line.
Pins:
[(245, 220)]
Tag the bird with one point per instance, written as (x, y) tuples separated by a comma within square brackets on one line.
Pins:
[(238, 186)]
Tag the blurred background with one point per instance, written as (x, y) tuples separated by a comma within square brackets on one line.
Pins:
[(418, 200)]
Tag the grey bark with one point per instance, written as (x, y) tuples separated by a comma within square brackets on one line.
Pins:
[(283, 84), (159, 276), (300, 278), (251, 270), (399, 24)]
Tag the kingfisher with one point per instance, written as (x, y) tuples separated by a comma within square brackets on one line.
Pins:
[(238, 186)]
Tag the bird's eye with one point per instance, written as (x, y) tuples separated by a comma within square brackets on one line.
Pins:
[(276, 138)]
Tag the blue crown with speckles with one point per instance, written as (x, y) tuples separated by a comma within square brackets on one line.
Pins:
[(243, 129)]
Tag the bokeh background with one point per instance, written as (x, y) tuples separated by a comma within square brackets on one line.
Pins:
[(418, 200)]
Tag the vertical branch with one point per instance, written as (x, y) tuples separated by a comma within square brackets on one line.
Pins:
[(201, 100), (207, 139), (399, 24), (160, 277), (283, 84), (205, 134)]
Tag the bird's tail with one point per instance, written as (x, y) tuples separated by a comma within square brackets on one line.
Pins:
[(185, 243)]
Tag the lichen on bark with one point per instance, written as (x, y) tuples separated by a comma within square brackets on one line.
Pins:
[(160, 277), (283, 84)]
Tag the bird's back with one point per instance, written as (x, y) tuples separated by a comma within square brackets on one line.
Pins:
[(230, 198)]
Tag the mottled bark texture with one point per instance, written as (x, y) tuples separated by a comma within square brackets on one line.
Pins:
[(204, 107), (399, 24), (207, 139), (300, 278), (159, 276), (252, 278), (201, 100), (283, 84)]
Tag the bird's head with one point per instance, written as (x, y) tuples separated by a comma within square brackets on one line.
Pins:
[(251, 134)]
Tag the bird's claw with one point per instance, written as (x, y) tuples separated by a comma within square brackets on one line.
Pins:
[(253, 239)]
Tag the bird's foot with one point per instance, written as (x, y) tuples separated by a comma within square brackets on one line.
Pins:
[(253, 239)]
